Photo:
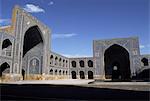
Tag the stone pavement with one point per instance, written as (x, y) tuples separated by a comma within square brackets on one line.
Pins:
[(138, 86), (57, 82)]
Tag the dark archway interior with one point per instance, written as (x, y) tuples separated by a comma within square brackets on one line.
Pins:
[(51, 72), (23, 73), (81, 63), (117, 63), (82, 76), (145, 61), (55, 72), (3, 67), (60, 72), (116, 74), (144, 75), (6, 43), (90, 63), (73, 64), (56, 62), (90, 75), (73, 73), (32, 38)]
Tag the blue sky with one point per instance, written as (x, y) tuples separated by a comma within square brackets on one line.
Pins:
[(76, 23)]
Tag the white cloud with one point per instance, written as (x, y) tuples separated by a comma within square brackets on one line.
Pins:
[(33, 8), (76, 55), (142, 46), (51, 3), (57, 36), (4, 22)]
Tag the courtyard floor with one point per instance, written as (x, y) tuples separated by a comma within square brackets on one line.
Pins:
[(137, 86)]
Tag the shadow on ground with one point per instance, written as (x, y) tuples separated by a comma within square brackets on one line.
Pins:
[(67, 92)]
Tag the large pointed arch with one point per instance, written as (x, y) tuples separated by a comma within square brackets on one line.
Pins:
[(117, 63), (32, 37)]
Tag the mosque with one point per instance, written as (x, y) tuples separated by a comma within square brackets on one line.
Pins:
[(25, 54)]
